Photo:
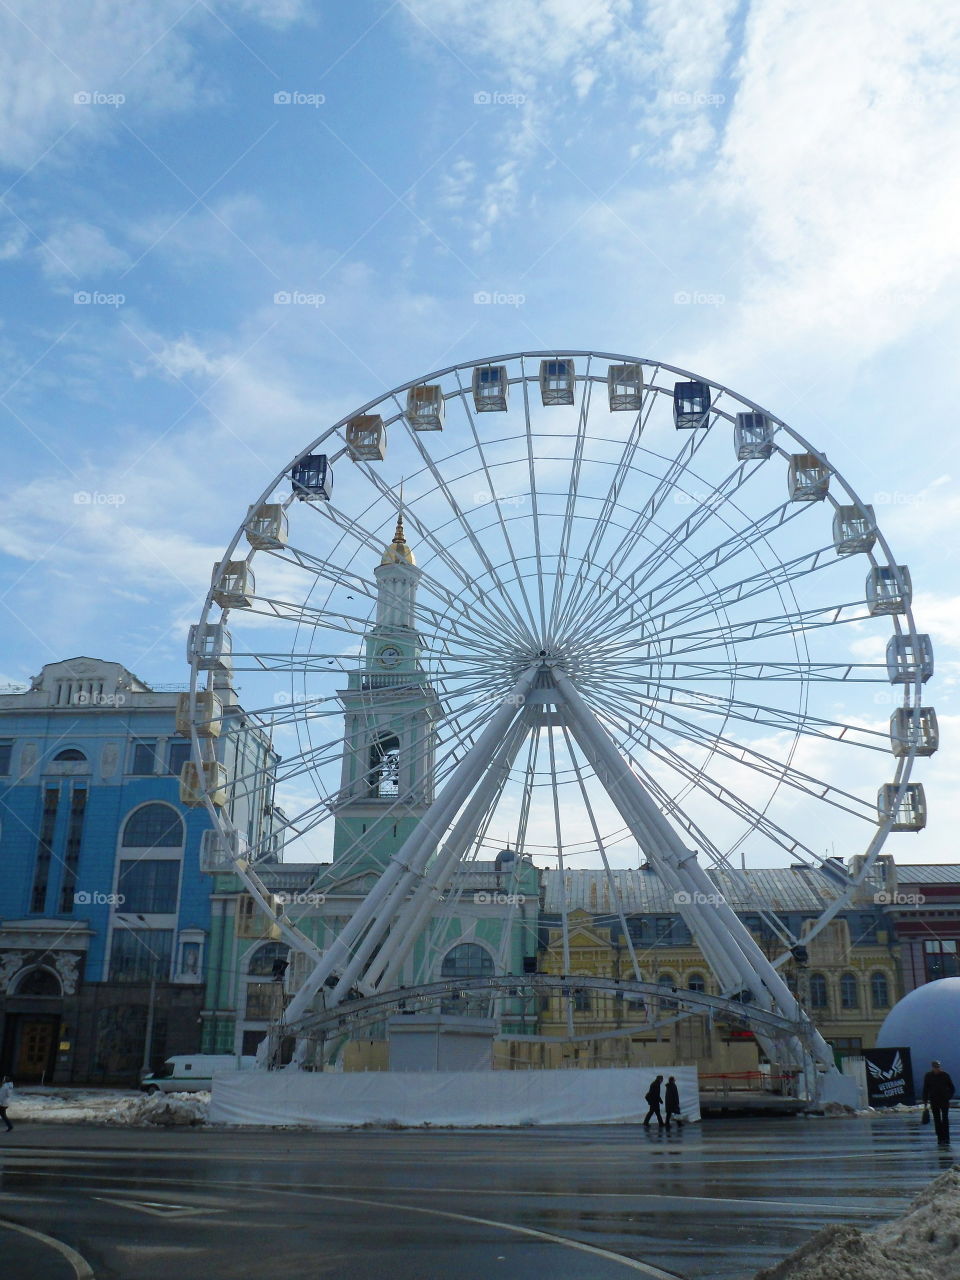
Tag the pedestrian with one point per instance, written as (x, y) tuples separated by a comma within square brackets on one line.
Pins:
[(652, 1099), (937, 1091), (671, 1101), (6, 1093)]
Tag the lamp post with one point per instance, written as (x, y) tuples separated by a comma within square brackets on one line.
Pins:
[(151, 1002)]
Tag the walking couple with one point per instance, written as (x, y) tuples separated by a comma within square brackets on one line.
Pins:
[(671, 1099)]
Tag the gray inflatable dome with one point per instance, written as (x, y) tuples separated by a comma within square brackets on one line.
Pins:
[(927, 1022)]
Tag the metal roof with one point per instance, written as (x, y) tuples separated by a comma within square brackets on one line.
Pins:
[(643, 892), (929, 873)]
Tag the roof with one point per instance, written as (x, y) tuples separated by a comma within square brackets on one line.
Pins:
[(641, 892), (929, 873)]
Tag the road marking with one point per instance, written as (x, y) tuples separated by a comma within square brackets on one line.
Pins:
[(158, 1208), (80, 1265), (564, 1241)]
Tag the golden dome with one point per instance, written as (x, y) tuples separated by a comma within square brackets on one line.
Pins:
[(398, 552)]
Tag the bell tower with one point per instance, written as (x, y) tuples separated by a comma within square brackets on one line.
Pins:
[(390, 716)]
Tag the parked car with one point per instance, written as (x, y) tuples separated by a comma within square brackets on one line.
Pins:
[(191, 1072)]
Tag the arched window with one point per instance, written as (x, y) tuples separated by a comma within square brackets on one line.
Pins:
[(384, 773), (696, 982), (849, 991), (39, 982), (263, 959), (153, 826), (879, 990), (818, 991), (668, 982), (468, 960), (71, 753)]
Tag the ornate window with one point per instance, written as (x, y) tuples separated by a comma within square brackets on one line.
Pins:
[(71, 753), (879, 990), (696, 982), (153, 826), (849, 991), (39, 982), (819, 998)]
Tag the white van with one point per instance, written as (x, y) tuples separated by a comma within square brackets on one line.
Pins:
[(191, 1072)]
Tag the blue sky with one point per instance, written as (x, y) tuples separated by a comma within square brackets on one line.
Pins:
[(765, 193)]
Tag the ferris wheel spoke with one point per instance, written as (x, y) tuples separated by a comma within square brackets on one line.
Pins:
[(745, 754), (643, 521), (532, 473), (482, 608), (703, 782), (496, 498), (573, 489), (621, 475), (751, 713), (743, 540), (561, 872), (735, 593), (513, 619), (748, 631)]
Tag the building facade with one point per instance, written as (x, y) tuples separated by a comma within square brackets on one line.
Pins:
[(104, 911)]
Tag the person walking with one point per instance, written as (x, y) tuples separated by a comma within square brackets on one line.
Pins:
[(652, 1099), (937, 1091), (671, 1101), (6, 1093)]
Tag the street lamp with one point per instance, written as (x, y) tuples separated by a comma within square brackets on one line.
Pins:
[(151, 1001)]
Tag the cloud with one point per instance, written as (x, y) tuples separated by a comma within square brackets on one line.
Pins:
[(842, 158), (61, 79), (81, 251)]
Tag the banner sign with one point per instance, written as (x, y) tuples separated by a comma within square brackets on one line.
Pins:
[(889, 1077)]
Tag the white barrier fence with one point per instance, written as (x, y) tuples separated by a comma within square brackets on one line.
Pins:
[(467, 1099)]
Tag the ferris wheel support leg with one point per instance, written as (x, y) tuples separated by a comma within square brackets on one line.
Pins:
[(351, 949), (633, 801), (413, 915)]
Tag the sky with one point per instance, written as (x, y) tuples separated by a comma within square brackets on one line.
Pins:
[(224, 225)]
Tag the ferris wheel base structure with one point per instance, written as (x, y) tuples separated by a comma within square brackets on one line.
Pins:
[(410, 882)]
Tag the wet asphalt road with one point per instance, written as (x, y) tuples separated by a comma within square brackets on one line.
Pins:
[(719, 1200)]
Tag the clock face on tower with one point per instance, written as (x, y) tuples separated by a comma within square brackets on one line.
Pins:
[(389, 656)]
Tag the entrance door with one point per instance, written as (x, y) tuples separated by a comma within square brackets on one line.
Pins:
[(37, 1048)]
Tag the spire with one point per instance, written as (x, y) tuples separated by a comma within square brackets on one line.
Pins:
[(398, 552)]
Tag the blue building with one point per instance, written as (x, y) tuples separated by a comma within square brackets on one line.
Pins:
[(104, 912)]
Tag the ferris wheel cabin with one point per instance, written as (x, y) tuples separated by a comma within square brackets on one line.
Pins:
[(909, 813), (210, 644), (914, 729), (490, 388), (889, 589), (266, 527), (854, 529), (807, 478), (425, 407), (210, 784), (366, 438), (691, 405), (312, 478), (208, 718), (625, 387), (907, 661), (556, 381), (234, 585), (753, 436)]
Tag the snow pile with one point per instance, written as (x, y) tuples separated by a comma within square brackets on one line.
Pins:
[(922, 1245), (165, 1109), (49, 1105)]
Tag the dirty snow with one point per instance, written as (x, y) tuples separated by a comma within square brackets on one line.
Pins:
[(50, 1105), (924, 1244)]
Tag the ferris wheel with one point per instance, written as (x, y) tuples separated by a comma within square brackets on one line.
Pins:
[(587, 605)]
